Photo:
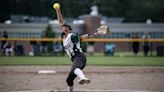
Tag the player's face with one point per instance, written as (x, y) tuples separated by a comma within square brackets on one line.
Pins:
[(65, 30)]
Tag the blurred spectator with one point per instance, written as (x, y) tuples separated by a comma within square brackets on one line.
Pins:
[(35, 48), (109, 49), (57, 48), (90, 48), (135, 45), (19, 50), (146, 44), (9, 49), (44, 48), (4, 35), (44, 45)]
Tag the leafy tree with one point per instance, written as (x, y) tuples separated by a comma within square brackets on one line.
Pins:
[(49, 34), (131, 10), (140, 10)]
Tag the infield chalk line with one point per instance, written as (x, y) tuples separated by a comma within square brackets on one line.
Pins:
[(81, 91), (46, 71)]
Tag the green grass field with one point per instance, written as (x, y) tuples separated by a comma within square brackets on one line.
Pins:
[(91, 60)]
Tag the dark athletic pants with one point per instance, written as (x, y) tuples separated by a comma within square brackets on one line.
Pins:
[(78, 61)]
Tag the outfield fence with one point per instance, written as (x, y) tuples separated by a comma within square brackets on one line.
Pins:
[(84, 40), (25, 45)]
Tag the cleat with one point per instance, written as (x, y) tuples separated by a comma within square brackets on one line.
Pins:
[(87, 80), (83, 81)]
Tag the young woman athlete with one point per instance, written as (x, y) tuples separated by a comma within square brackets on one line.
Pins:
[(71, 43)]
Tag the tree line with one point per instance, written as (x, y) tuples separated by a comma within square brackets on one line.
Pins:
[(130, 10)]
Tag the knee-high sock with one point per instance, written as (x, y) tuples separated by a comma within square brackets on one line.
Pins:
[(79, 73), (70, 88)]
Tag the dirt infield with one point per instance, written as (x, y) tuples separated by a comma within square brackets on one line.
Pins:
[(103, 79)]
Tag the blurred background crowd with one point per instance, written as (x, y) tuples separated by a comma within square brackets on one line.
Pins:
[(37, 19)]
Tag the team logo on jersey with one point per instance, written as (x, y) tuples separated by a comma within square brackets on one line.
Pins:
[(67, 46)]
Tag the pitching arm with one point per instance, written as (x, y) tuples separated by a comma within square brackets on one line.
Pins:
[(59, 16)]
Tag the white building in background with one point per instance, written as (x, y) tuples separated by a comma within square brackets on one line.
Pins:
[(94, 11)]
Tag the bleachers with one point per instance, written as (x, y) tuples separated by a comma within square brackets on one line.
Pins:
[(112, 35), (24, 34), (130, 34), (118, 30)]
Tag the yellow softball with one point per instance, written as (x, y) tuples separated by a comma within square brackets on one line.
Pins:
[(56, 6)]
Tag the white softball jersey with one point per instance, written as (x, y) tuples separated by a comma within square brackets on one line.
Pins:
[(70, 46)]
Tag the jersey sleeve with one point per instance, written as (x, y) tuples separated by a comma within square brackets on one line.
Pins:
[(74, 38)]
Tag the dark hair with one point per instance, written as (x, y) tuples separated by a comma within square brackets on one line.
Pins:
[(66, 25)]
